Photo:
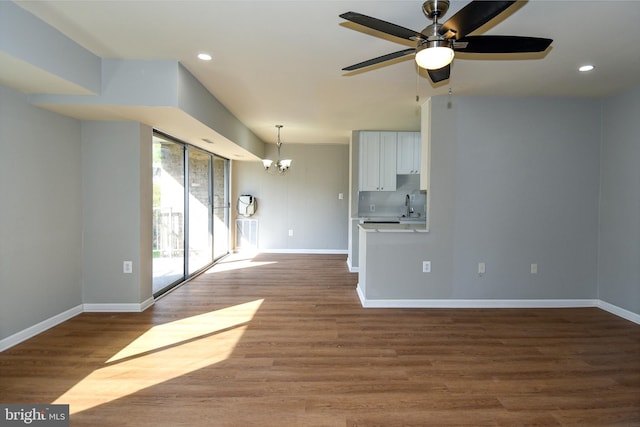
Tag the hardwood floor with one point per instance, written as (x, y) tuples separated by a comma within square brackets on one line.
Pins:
[(281, 340)]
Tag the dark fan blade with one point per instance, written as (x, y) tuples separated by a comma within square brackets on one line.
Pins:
[(474, 15), (382, 26), (440, 74), (379, 59), (501, 44)]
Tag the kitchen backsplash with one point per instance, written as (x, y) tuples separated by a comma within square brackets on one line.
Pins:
[(392, 203)]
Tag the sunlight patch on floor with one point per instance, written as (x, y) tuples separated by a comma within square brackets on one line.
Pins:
[(236, 262), (162, 353)]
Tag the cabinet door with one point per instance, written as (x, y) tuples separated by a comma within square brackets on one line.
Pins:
[(369, 161), (388, 155), (406, 153), (417, 152)]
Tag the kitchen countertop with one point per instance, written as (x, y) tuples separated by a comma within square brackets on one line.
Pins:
[(401, 219), (395, 228)]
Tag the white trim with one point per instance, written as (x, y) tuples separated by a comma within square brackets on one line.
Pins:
[(619, 311), (352, 269), (474, 303), (38, 328), (305, 251), (360, 292), (120, 308), (148, 303), (497, 303)]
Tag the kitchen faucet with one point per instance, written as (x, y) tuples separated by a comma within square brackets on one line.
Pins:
[(407, 203)]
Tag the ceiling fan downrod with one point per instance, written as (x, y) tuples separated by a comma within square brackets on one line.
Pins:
[(434, 9)]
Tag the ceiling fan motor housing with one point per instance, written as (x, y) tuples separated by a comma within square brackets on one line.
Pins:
[(435, 9)]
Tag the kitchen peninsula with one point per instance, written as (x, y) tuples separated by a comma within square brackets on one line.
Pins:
[(383, 246)]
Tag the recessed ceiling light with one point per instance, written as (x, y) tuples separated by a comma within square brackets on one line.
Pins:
[(204, 56), (586, 68)]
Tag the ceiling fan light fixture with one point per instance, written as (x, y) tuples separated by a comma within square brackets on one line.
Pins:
[(434, 54)]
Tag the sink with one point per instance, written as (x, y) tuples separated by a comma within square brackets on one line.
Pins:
[(394, 220), (412, 221)]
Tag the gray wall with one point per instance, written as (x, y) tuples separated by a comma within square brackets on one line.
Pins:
[(526, 191), (195, 100), (27, 39), (619, 261), (116, 192), (513, 182), (304, 200), (40, 214), (75, 203)]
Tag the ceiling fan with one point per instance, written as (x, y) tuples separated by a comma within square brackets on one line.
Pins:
[(435, 45)]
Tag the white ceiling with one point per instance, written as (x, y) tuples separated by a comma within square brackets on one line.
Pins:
[(279, 62)]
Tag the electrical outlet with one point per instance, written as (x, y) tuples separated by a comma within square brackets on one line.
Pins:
[(340, 196), (426, 266), (291, 232), (534, 268), (482, 268), (127, 267), (372, 208)]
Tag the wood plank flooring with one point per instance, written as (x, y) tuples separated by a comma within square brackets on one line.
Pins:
[(281, 340)]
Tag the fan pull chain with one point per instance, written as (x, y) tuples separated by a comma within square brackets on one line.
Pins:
[(417, 81)]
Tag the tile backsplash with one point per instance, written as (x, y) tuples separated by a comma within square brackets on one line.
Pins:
[(392, 203)]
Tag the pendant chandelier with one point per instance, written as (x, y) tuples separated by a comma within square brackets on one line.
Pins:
[(279, 166)]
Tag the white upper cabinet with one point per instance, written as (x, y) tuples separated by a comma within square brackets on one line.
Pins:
[(408, 156), (378, 151)]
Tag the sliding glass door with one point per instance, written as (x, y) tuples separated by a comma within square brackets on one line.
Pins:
[(221, 207), (200, 239), (168, 213), (190, 211)]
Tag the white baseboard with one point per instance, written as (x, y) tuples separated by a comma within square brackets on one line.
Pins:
[(496, 303), (619, 311), (118, 308), (305, 251), (476, 303), (38, 328), (360, 292), (352, 269)]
